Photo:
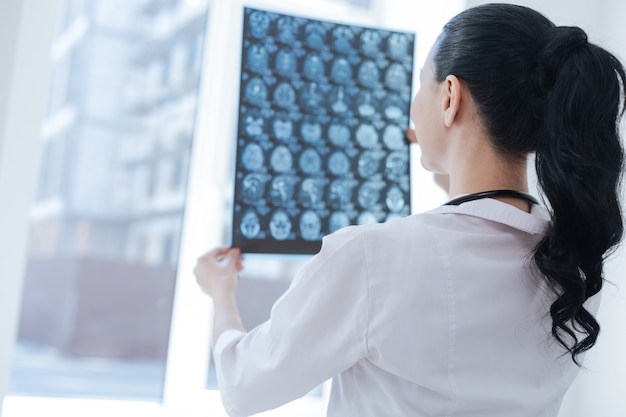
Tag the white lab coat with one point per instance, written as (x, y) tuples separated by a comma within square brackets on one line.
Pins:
[(435, 314)]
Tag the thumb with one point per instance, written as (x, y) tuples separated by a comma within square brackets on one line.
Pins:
[(233, 255), (411, 136)]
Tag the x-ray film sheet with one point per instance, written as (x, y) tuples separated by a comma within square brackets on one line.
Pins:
[(320, 145)]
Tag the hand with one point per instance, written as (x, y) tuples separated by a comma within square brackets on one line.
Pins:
[(217, 272)]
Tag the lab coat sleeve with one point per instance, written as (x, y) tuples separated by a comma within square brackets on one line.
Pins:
[(317, 329)]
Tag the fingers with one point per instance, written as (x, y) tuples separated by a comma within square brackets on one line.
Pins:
[(224, 255), (215, 253), (233, 254), (411, 136), (236, 258)]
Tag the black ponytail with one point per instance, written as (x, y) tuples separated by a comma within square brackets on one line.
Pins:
[(546, 89), (579, 163)]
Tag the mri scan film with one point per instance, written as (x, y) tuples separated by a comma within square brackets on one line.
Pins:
[(320, 143)]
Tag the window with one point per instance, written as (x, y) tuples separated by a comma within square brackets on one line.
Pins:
[(100, 276), (115, 209), (59, 87), (52, 168), (70, 10)]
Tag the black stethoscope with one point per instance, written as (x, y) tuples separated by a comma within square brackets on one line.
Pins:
[(490, 194)]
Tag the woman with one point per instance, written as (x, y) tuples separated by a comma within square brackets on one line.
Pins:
[(481, 307)]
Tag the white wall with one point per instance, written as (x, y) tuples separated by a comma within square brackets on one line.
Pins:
[(25, 33), (9, 12), (9, 16), (599, 389)]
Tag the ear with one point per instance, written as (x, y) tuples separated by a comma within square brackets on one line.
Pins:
[(452, 101)]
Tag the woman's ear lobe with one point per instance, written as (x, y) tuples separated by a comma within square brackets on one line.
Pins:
[(452, 102)]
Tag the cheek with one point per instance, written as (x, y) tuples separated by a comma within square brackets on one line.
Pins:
[(421, 118), (426, 131), (417, 116), (413, 111)]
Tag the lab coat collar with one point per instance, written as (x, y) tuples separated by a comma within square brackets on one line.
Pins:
[(535, 222)]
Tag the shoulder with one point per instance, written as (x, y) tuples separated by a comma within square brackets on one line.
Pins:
[(414, 227), (378, 244)]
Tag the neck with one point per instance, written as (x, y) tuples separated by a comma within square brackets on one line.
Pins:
[(485, 170)]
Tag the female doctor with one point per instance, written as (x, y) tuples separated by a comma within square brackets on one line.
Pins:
[(483, 306)]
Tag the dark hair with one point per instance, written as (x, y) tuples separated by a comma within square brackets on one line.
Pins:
[(545, 89)]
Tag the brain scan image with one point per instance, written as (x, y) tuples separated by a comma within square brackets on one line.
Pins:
[(258, 58), (252, 157), (366, 106), (281, 159), (254, 125), (338, 220), (287, 29), (314, 35), (396, 77), (369, 74), (369, 163), (250, 225), (285, 95), (259, 24), (282, 190), (393, 137), (339, 163), (280, 225), (311, 131), (339, 135), (313, 67), (341, 71), (367, 136), (395, 199), (370, 42), (286, 63), (392, 216), (397, 165), (312, 98), (366, 218), (342, 39), (311, 192), (398, 45), (310, 161), (369, 194), (339, 101), (256, 92), (323, 110), (394, 106), (283, 128), (253, 188), (310, 225), (340, 193)]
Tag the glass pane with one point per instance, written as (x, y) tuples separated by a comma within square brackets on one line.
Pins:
[(109, 205)]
